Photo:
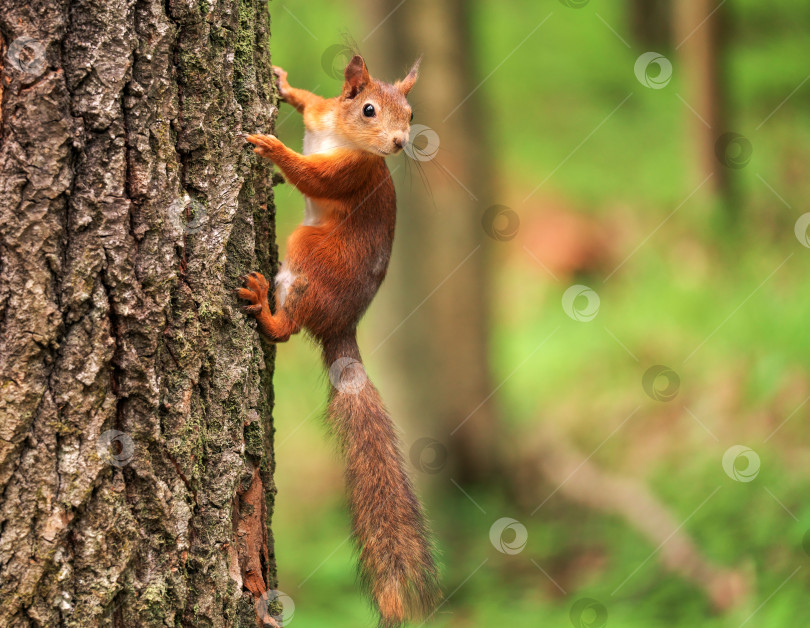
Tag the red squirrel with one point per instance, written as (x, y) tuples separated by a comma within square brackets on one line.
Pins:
[(336, 260)]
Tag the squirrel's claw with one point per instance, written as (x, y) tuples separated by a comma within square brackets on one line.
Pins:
[(266, 145), (256, 283), (247, 294), (281, 82), (255, 291), (261, 140)]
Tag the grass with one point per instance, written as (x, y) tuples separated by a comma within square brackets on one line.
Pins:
[(726, 309)]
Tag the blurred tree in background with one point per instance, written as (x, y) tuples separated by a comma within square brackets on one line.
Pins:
[(439, 274), (701, 28)]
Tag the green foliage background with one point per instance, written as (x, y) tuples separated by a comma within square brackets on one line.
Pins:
[(735, 291)]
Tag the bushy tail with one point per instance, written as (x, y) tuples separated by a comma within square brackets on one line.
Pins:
[(396, 564)]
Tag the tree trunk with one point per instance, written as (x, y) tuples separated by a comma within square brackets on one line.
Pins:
[(650, 22), (443, 292), (700, 29), (136, 466)]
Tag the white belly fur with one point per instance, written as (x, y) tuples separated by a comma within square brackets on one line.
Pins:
[(284, 280), (320, 141)]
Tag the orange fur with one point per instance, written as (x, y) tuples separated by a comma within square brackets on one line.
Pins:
[(334, 266)]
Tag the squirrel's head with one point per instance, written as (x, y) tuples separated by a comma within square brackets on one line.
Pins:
[(374, 114)]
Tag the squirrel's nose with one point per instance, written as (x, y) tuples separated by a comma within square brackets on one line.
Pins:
[(400, 139)]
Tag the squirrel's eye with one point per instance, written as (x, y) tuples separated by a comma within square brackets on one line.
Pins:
[(368, 110), (411, 116)]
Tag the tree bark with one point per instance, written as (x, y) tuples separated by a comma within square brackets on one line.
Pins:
[(136, 467)]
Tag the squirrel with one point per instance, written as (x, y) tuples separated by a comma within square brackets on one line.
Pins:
[(336, 260)]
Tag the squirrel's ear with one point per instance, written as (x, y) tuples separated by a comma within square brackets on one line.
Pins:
[(406, 84), (357, 77)]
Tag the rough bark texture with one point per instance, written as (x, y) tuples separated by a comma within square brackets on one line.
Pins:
[(129, 208)]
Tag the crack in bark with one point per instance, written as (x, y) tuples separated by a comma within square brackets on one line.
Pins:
[(250, 535)]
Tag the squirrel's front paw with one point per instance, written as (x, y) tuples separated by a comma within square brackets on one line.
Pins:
[(283, 85), (255, 292), (266, 145)]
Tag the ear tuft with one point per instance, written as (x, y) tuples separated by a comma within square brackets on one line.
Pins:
[(406, 84), (357, 77)]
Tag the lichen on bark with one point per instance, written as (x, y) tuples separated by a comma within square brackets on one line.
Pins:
[(129, 208)]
